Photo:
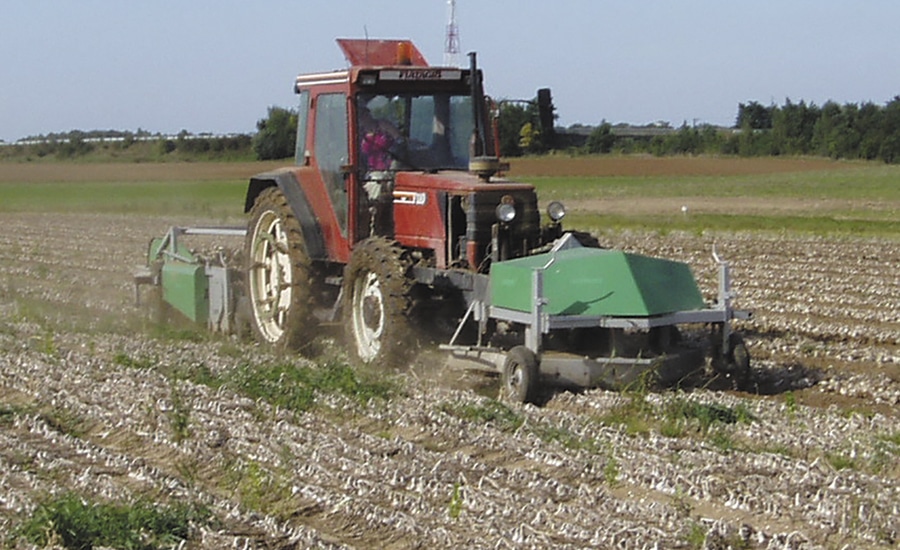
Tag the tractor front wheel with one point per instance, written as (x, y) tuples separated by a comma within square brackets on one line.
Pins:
[(520, 375), (376, 311), (278, 274)]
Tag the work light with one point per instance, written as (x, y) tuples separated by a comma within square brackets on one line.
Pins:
[(556, 211), (506, 212)]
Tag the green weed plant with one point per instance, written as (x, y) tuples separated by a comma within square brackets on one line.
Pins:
[(294, 387), (72, 522), (489, 411)]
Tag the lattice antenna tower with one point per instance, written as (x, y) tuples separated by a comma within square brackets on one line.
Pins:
[(451, 44)]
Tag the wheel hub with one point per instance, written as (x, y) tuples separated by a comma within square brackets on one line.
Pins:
[(372, 312), (515, 378), (368, 316)]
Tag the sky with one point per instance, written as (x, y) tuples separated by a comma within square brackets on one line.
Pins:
[(217, 65)]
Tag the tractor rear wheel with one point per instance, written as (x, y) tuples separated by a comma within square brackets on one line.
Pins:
[(278, 274), (520, 375), (377, 306)]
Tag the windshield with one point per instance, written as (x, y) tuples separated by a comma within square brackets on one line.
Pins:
[(426, 132)]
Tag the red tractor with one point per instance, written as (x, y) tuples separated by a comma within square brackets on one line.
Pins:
[(393, 219), (391, 207)]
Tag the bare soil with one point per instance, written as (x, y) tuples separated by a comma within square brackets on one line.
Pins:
[(606, 166), (817, 467)]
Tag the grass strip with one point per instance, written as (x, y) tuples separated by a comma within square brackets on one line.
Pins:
[(699, 223), (284, 385), (216, 199), (73, 522)]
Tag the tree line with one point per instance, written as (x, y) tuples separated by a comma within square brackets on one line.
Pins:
[(125, 144), (866, 131), (274, 139), (851, 131)]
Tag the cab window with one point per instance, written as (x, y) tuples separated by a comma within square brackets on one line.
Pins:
[(302, 118), (332, 151)]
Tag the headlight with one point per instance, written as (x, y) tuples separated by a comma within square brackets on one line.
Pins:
[(506, 212), (556, 211)]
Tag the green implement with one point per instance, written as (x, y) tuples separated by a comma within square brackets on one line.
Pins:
[(593, 317), (199, 287), (596, 282)]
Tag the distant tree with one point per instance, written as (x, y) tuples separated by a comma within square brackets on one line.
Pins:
[(165, 146), (686, 141), (201, 145), (792, 128), (868, 125), (833, 133), (754, 115), (513, 117), (601, 140), (890, 131), (277, 134), (712, 140), (239, 142), (73, 147), (754, 142), (845, 134)]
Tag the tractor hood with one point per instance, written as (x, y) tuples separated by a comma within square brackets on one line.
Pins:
[(455, 181), (434, 210), (596, 282)]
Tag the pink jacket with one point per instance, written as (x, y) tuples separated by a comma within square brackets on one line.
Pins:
[(375, 146)]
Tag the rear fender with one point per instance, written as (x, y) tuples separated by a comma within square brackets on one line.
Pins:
[(286, 180)]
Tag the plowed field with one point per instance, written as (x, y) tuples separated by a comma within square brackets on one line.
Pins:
[(809, 458)]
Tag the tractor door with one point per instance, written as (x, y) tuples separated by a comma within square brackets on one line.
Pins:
[(331, 154)]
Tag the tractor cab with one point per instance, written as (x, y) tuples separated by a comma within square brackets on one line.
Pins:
[(402, 150), (423, 117)]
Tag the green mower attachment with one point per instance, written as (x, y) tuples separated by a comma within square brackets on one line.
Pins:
[(200, 288)]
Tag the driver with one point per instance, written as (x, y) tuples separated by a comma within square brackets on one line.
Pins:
[(378, 136)]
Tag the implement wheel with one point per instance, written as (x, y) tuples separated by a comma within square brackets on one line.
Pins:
[(739, 358), (735, 364), (376, 310), (278, 274), (520, 375)]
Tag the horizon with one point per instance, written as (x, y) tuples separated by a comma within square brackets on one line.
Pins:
[(217, 66)]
